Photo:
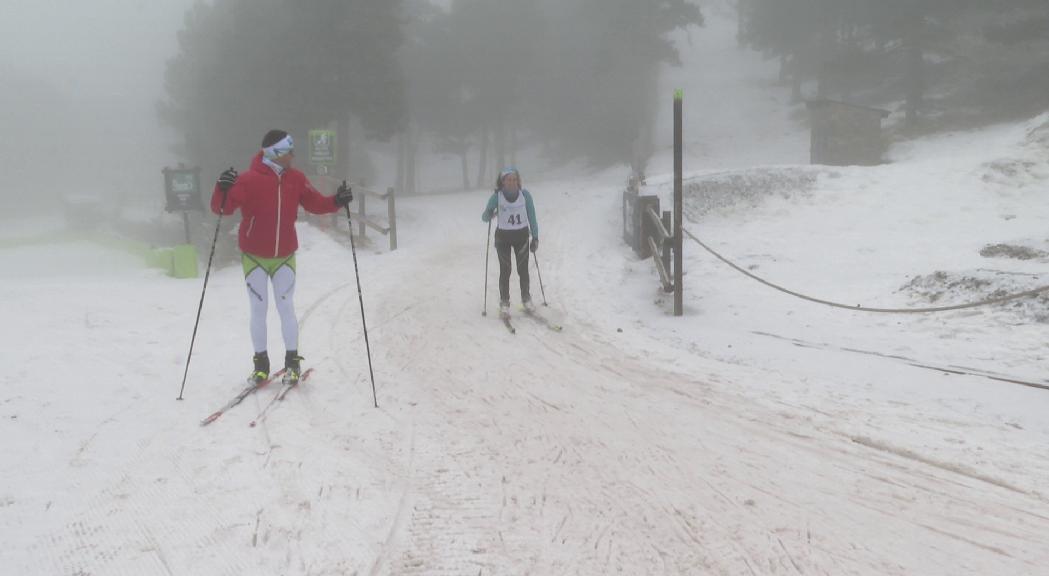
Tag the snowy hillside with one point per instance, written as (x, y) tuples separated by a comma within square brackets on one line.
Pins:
[(760, 434)]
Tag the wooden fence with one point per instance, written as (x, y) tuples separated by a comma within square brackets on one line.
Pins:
[(648, 232), (361, 216)]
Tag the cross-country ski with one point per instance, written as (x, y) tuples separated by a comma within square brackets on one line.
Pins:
[(286, 386), (253, 386)]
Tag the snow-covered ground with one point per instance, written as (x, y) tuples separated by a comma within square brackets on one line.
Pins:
[(757, 435)]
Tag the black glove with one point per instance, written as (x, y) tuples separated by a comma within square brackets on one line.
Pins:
[(228, 179), (344, 195), (535, 244)]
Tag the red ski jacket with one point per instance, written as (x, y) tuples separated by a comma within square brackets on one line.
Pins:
[(269, 205)]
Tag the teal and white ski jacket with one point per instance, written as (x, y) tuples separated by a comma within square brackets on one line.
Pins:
[(493, 205)]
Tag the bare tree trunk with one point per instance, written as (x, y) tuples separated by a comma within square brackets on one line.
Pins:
[(482, 165), (410, 175), (500, 145), (741, 22), (402, 153), (915, 76), (795, 83), (827, 48), (463, 151), (513, 145), (342, 160)]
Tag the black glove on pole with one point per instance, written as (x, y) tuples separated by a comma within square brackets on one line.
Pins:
[(226, 181), (360, 296), (343, 196)]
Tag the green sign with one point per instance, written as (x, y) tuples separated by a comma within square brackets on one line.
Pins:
[(323, 146)]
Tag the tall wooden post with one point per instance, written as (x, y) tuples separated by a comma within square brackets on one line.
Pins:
[(391, 207), (679, 289), (185, 224)]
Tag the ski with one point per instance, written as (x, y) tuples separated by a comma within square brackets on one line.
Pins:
[(248, 390), (509, 326), (287, 387), (279, 396), (544, 321)]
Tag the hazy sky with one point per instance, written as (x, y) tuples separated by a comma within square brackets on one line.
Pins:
[(105, 60), (93, 48)]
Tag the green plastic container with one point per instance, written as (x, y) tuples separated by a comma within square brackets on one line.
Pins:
[(161, 258), (184, 261)]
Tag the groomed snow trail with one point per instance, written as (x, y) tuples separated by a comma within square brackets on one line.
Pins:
[(540, 453), (569, 453)]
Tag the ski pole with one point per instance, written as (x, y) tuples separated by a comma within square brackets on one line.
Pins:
[(200, 307), (487, 252), (360, 296), (540, 274)]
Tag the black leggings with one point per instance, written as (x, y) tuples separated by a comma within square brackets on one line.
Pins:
[(516, 242)]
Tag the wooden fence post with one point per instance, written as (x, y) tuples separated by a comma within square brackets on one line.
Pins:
[(668, 246), (679, 301)]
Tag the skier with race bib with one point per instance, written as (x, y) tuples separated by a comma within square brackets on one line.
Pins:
[(514, 209), (268, 196)]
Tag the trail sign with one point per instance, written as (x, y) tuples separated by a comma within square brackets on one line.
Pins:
[(323, 147), (182, 189)]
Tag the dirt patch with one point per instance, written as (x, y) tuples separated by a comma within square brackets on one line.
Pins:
[(1012, 251), (1010, 171)]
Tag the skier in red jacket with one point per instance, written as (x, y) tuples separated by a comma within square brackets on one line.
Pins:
[(269, 195)]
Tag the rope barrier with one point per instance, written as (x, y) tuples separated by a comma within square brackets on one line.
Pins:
[(858, 308)]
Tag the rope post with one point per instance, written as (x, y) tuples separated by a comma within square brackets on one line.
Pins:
[(679, 289)]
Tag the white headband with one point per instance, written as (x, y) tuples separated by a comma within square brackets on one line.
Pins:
[(279, 149)]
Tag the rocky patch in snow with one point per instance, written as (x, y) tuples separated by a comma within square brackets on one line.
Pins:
[(951, 288)]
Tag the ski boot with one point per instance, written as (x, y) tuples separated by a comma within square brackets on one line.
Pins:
[(292, 367), (262, 368), (529, 308), (504, 310)]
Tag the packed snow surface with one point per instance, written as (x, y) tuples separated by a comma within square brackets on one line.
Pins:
[(759, 434)]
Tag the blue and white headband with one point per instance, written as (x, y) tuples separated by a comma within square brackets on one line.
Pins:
[(282, 148)]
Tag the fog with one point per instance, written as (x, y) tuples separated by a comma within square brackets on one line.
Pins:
[(427, 96), (81, 81)]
